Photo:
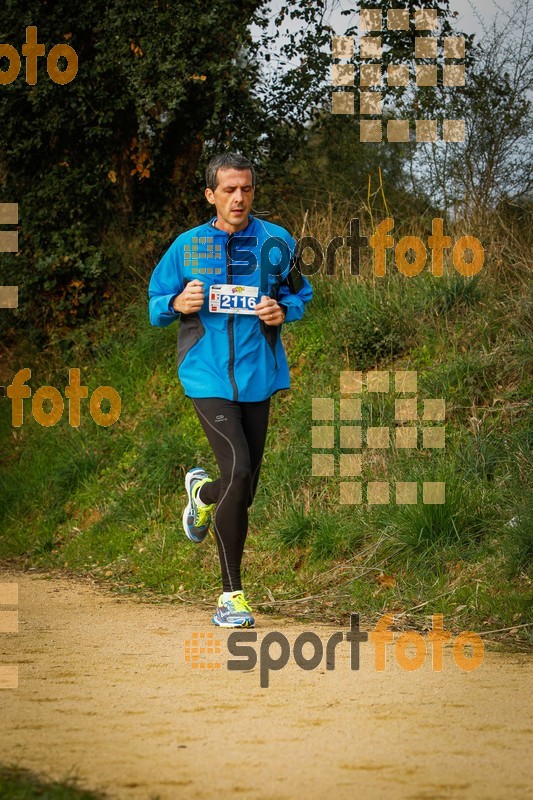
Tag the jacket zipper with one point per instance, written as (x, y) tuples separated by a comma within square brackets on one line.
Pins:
[(231, 330)]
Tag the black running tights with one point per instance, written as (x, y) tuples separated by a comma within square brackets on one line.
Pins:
[(236, 432)]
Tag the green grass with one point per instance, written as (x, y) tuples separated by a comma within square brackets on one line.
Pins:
[(518, 538), (21, 784), (108, 501), (426, 537)]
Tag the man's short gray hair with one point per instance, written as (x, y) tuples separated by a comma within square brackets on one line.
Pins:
[(226, 161)]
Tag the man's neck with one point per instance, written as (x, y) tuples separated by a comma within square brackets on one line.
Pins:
[(231, 229)]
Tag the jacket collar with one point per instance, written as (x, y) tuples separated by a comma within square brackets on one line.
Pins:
[(244, 231)]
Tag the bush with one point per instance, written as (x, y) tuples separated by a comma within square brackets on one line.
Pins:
[(373, 325)]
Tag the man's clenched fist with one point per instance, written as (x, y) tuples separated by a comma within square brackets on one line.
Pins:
[(191, 299)]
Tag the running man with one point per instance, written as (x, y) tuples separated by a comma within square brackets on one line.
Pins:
[(232, 282)]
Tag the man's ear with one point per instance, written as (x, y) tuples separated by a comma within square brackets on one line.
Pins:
[(210, 197)]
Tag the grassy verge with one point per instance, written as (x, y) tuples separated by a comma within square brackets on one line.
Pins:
[(107, 502), (21, 784)]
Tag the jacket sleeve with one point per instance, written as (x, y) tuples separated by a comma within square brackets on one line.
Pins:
[(166, 282), (294, 302)]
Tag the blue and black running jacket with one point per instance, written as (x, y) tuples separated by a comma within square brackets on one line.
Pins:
[(234, 356)]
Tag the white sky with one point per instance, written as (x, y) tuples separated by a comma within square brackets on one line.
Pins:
[(473, 14), (476, 16)]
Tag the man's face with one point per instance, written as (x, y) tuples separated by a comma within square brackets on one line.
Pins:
[(232, 198)]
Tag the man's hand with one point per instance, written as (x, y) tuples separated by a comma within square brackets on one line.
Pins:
[(191, 299), (269, 311)]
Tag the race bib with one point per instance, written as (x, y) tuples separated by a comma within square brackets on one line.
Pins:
[(229, 298)]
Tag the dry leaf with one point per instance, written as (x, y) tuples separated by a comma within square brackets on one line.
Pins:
[(386, 580)]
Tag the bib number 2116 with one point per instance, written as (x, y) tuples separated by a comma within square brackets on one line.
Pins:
[(227, 298)]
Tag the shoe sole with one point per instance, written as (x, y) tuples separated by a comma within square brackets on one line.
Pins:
[(188, 479), (246, 624)]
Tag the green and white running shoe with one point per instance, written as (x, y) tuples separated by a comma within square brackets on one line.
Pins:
[(234, 613), (196, 518)]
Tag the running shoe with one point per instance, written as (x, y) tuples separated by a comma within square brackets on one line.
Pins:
[(196, 518), (234, 613)]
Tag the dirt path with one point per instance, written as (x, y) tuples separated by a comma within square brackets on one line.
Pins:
[(105, 693)]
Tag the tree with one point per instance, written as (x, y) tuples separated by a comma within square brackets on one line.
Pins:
[(493, 164), (159, 86)]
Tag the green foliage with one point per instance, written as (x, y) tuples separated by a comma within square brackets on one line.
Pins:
[(329, 533), (296, 528), (21, 784), (374, 325), (342, 169), (455, 292), (430, 535), (148, 85), (518, 542), (159, 88)]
